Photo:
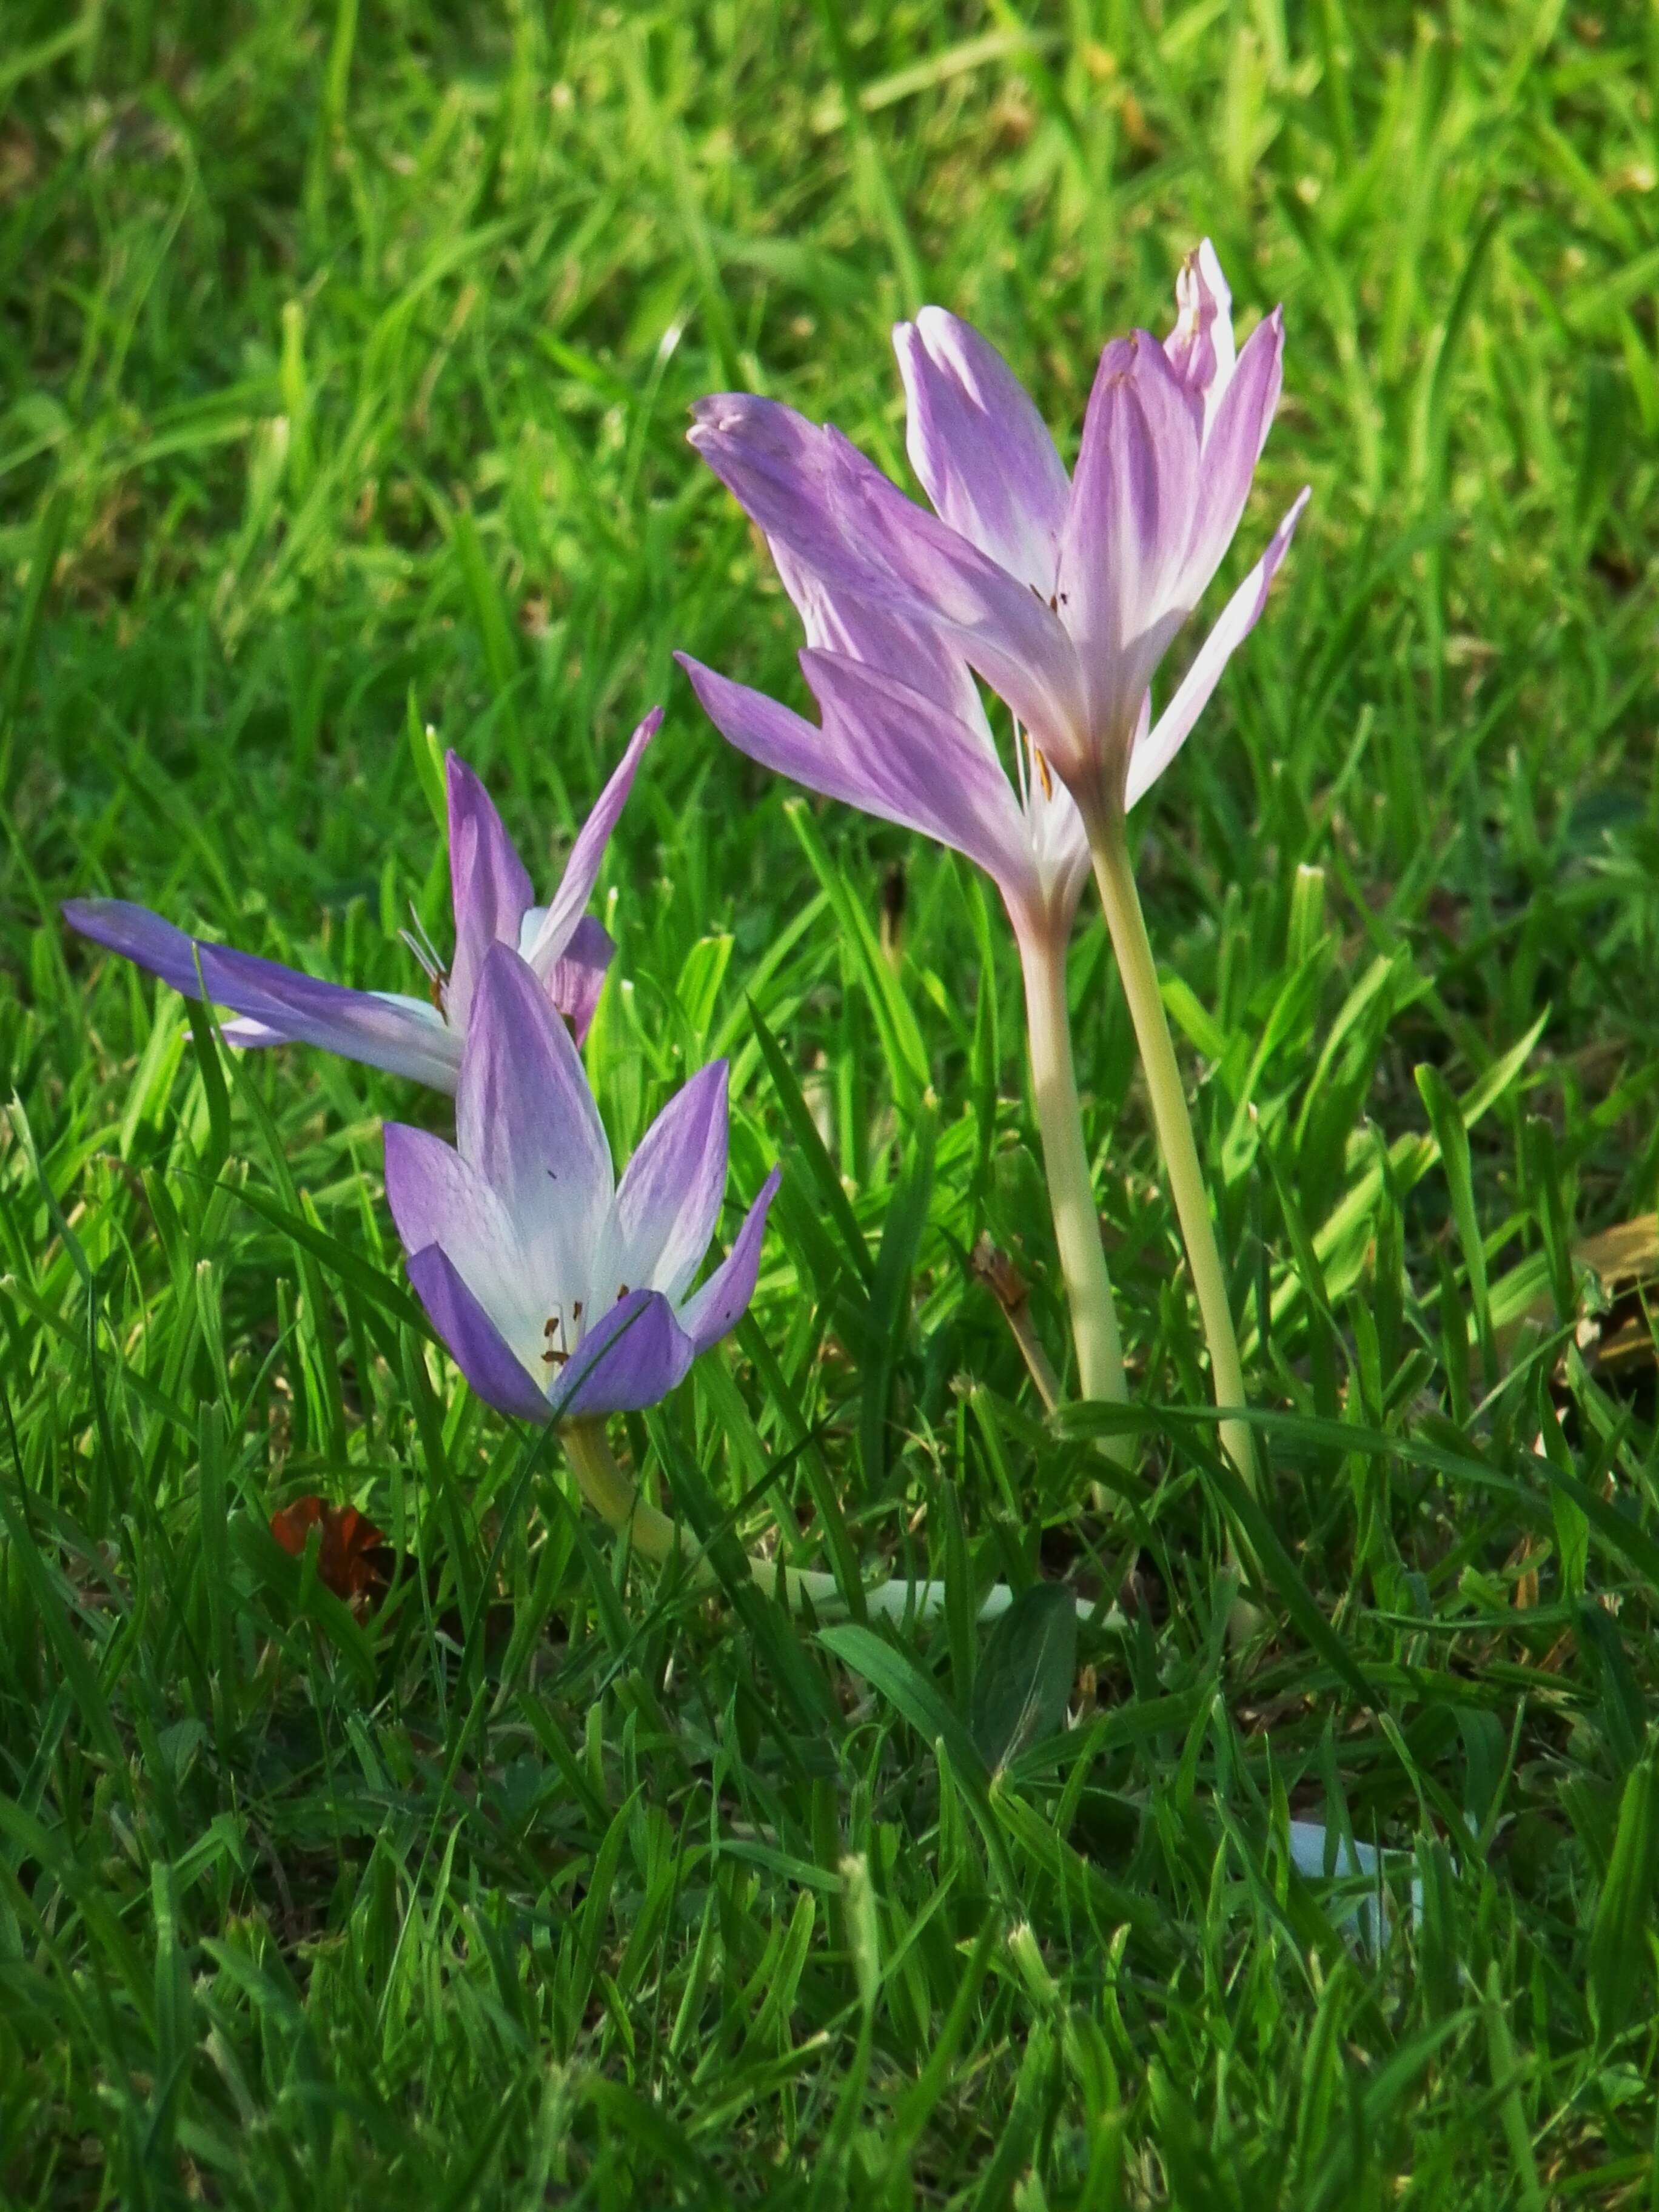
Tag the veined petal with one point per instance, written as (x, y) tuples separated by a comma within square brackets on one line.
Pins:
[(813, 493), (524, 1118), (1236, 434), (721, 1302), (1059, 849), (581, 869), (139, 936), (920, 766), (1200, 347), (927, 572), (1126, 534), (669, 1197), (634, 1355), (775, 465), (487, 881), (277, 1005), (882, 749), (979, 447), (475, 1343), (437, 1198), (837, 620), (397, 1034), (577, 976), (1154, 752)]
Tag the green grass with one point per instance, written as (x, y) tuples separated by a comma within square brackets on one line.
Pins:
[(344, 357)]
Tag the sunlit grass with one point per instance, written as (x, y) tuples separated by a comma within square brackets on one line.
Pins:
[(344, 360)]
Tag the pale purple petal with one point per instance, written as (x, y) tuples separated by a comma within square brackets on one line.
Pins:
[(475, 1343), (1126, 535), (885, 750), (1154, 751), (921, 766), (927, 572), (1200, 346), (278, 1005), (248, 1036), (633, 1356), (577, 976), (813, 493), (526, 1119), (487, 881), (581, 869), (397, 1034), (435, 1197), (979, 447), (1231, 450), (1060, 852), (721, 1302), (775, 465), (669, 1197), (154, 945), (837, 620), (139, 936)]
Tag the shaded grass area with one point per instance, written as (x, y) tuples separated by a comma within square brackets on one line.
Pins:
[(345, 357)]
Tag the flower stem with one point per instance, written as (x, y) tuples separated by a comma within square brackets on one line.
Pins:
[(617, 1501), (612, 1496), (1071, 1187), (1113, 874)]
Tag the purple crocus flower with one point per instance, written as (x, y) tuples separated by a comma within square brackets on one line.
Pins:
[(1064, 593), (493, 903), (561, 1293), (905, 737)]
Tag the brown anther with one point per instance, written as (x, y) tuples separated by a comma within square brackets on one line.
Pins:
[(1043, 771)]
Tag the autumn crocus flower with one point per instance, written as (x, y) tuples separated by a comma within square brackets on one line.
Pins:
[(1064, 593), (904, 736), (562, 1294), (565, 1296), (493, 903)]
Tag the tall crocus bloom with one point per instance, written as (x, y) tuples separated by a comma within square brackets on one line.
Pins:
[(1064, 593), (904, 736), (493, 903), (564, 1294)]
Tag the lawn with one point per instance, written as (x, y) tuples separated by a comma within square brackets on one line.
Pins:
[(347, 354)]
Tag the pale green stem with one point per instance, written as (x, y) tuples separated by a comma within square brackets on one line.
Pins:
[(655, 1537), (1115, 877), (1071, 1187)]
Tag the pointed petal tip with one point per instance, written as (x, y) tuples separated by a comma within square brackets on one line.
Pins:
[(462, 783), (500, 969), (720, 1303)]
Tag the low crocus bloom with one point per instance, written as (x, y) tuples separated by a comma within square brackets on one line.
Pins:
[(1064, 593), (493, 903), (562, 1294)]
